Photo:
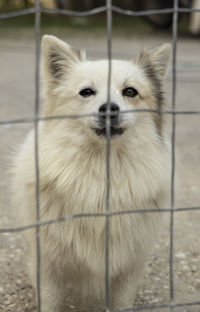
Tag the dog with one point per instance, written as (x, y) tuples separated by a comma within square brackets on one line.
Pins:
[(72, 172)]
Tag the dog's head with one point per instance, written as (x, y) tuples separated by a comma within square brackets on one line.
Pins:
[(75, 86)]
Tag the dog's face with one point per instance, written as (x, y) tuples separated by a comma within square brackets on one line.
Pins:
[(76, 86)]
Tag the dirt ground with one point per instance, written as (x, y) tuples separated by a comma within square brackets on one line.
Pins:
[(17, 100)]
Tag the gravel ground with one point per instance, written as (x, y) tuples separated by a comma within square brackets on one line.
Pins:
[(17, 100)]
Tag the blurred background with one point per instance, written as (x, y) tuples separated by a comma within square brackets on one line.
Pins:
[(189, 22), (17, 100)]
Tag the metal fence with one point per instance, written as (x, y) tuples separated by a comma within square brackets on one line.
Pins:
[(109, 9)]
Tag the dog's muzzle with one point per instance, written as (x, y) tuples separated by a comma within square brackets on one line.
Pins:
[(115, 128)]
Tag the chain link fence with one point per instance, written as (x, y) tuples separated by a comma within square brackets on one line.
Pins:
[(109, 9)]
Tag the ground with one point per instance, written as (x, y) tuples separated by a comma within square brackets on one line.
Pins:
[(17, 101)]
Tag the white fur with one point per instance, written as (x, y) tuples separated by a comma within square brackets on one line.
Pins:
[(72, 162)]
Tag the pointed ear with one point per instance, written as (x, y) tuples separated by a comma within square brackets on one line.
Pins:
[(155, 59), (58, 58)]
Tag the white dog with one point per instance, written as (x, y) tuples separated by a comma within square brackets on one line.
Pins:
[(72, 162)]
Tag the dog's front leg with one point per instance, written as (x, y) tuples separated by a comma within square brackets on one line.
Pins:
[(124, 287), (52, 294), (122, 294)]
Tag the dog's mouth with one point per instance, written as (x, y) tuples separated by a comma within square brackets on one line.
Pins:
[(113, 131)]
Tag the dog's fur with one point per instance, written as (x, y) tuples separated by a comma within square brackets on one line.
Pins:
[(72, 163)]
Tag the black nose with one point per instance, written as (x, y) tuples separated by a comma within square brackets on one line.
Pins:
[(114, 108)]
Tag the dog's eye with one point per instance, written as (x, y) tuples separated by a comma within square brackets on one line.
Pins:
[(87, 92), (131, 92)]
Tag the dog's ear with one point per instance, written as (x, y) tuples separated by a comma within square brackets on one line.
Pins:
[(155, 60), (58, 58)]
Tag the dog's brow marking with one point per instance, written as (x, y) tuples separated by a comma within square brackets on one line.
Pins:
[(128, 82)]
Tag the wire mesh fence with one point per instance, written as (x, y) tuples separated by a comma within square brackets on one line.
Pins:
[(36, 119)]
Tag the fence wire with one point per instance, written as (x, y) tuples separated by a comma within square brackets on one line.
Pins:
[(108, 110), (36, 139), (173, 136), (109, 9)]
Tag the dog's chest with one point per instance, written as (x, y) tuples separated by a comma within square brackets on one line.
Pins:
[(80, 186), (84, 237), (82, 242), (84, 186)]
